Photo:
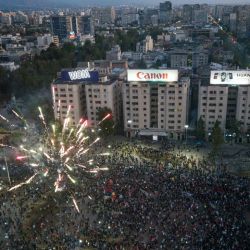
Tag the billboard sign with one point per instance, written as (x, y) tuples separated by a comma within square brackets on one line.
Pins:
[(152, 75), (80, 75), (230, 77)]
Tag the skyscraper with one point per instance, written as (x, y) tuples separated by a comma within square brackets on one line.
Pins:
[(165, 13), (86, 25), (61, 26)]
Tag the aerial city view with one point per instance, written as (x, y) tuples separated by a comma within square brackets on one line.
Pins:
[(124, 125)]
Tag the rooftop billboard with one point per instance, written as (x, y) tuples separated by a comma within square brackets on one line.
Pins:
[(152, 75), (230, 77), (79, 75)]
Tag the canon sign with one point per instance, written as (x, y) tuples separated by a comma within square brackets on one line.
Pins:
[(152, 75), (80, 75)]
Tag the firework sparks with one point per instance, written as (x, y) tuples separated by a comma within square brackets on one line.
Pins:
[(75, 204), (58, 152), (104, 118), (23, 183), (5, 119)]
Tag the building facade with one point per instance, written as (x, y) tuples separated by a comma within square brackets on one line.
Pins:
[(226, 99), (61, 26), (105, 94), (69, 97), (156, 107)]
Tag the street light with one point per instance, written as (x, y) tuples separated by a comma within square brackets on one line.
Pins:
[(186, 128), (129, 122)]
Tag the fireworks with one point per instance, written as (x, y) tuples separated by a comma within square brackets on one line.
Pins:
[(58, 152)]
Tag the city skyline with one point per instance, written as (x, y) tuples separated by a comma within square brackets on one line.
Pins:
[(85, 3)]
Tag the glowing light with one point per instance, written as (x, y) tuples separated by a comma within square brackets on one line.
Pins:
[(76, 206)]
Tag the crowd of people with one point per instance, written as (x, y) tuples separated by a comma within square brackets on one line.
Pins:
[(150, 198)]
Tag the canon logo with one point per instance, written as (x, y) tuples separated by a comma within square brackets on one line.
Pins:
[(79, 74), (152, 76)]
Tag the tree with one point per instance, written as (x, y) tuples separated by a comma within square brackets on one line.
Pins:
[(107, 125), (200, 130), (233, 127), (217, 138), (141, 64)]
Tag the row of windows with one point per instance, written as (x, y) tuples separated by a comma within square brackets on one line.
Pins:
[(213, 92)]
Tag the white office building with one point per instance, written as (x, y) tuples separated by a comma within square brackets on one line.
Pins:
[(155, 103), (104, 94), (227, 98)]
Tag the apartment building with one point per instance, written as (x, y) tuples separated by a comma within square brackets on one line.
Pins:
[(227, 98), (243, 107), (69, 95), (61, 26), (68, 92), (105, 93), (146, 45), (212, 105), (79, 93), (155, 103), (178, 59)]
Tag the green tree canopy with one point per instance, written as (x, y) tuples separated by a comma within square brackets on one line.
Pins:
[(233, 127), (107, 125), (217, 137), (200, 130)]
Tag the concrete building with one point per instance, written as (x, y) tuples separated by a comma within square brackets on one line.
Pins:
[(243, 107), (178, 59), (225, 100), (114, 54), (212, 105), (146, 45), (187, 13), (200, 17), (156, 107), (86, 25), (103, 16), (77, 94), (5, 19), (44, 40), (103, 94), (61, 26), (199, 58), (69, 94), (165, 12)]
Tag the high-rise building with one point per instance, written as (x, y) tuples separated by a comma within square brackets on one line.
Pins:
[(199, 58), (200, 17), (86, 25), (104, 94), (104, 15), (61, 26), (187, 13), (178, 59), (68, 92), (79, 93), (227, 98), (155, 103), (165, 12), (146, 45), (69, 97)]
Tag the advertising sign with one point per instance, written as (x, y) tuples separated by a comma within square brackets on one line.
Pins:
[(230, 77), (80, 75), (152, 75)]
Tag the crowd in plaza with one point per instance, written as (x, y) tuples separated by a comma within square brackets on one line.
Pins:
[(150, 198)]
